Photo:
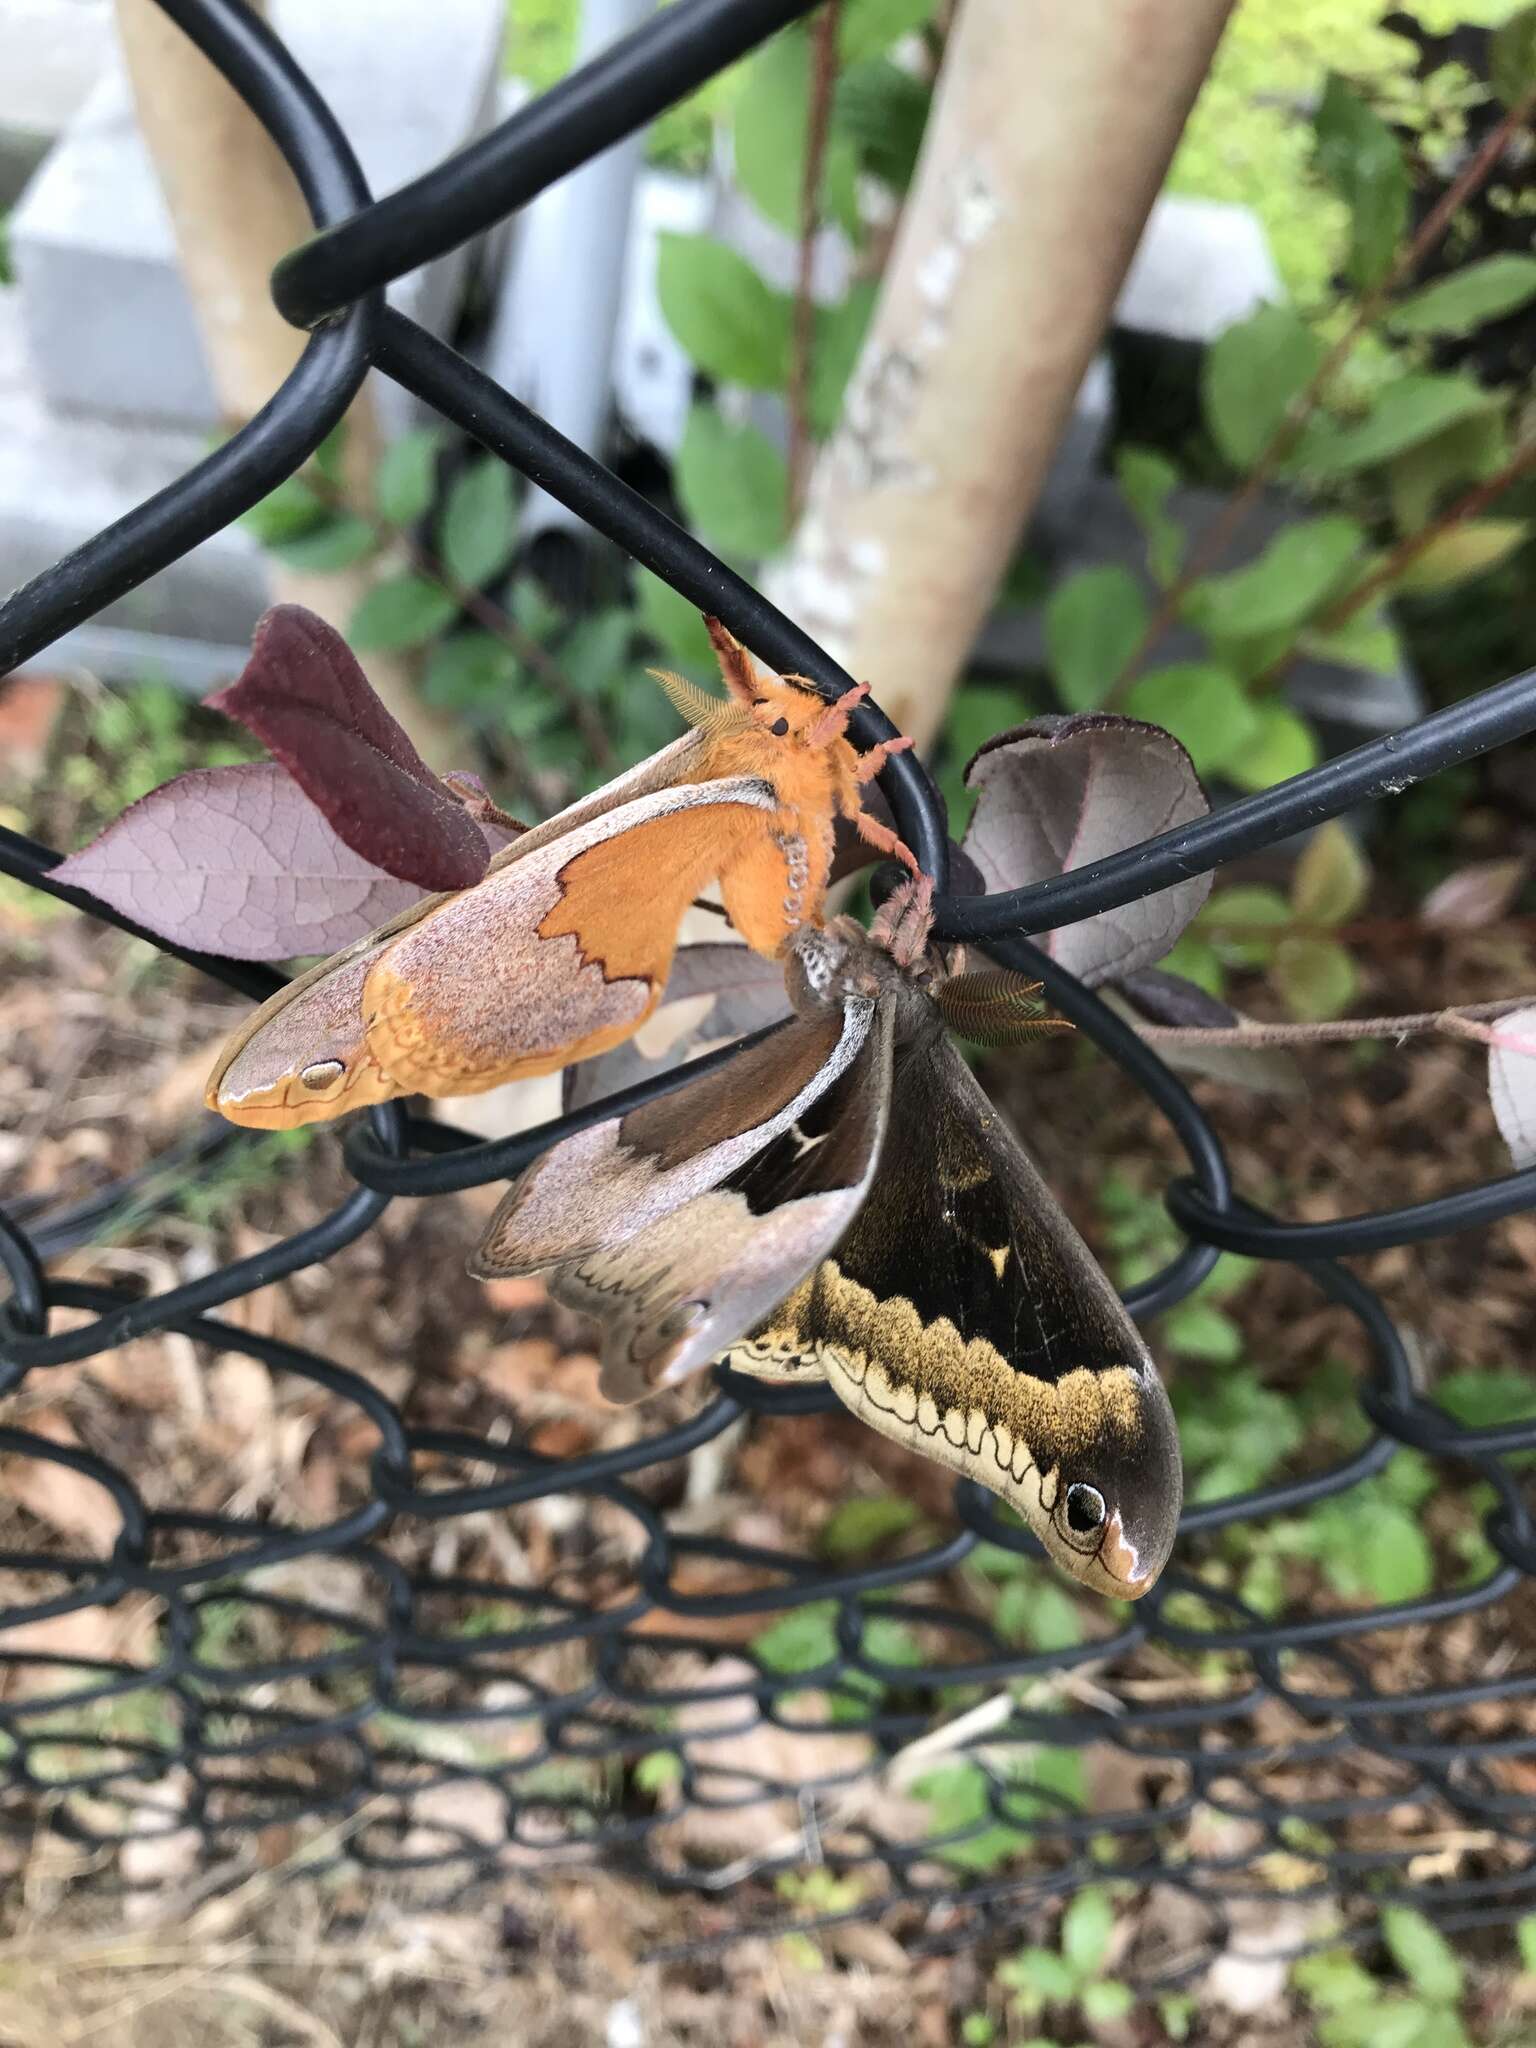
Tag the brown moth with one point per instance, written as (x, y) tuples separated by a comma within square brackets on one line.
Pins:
[(843, 1202), (562, 949)]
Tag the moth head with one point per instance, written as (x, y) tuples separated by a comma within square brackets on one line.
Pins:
[(789, 709), (1108, 1512)]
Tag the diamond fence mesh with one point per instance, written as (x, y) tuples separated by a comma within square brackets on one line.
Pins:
[(598, 1723)]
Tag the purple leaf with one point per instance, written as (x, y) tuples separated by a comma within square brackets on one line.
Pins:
[(304, 694), (1060, 793), (237, 861), (1512, 1083)]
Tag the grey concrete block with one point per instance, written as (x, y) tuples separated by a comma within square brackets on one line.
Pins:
[(109, 325), (63, 479), (55, 51)]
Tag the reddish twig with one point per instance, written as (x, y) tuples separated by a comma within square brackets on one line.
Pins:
[(803, 334)]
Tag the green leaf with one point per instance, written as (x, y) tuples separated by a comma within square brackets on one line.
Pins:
[(1467, 298), (1200, 704), (1512, 57), (1334, 1980), (1316, 978), (1422, 1953), (1332, 878), (1359, 156), (1365, 640), (1235, 1433), (407, 476), (730, 322), (1197, 960), (1047, 1974), (403, 611), (839, 335), (330, 456), (1462, 552), (1086, 1927), (337, 545), (595, 654), (768, 138), (733, 484), (1226, 911), (478, 534), (867, 27), (1413, 410), (659, 1771), (1200, 1330), (676, 624), (802, 1640), (1037, 1611), (883, 111), (1297, 573), (1485, 1400), (1148, 480), (977, 2031), (1106, 2001), (469, 672), (1469, 451), (1251, 374), (861, 1526), (1284, 746), (1094, 623), (1525, 1937), (292, 509)]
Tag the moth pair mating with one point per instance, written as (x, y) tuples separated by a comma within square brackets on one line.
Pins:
[(840, 1201)]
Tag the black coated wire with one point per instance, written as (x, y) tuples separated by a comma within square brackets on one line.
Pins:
[(227, 1757)]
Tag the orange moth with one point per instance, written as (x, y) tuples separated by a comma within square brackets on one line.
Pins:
[(563, 948)]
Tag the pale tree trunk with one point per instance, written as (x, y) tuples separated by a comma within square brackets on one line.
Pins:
[(1050, 134), (236, 209)]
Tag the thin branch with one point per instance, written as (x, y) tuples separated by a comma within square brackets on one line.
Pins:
[(1235, 512), (1463, 1021), (803, 335)]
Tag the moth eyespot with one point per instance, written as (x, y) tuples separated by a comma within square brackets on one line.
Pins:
[(1086, 1511), (321, 1074)]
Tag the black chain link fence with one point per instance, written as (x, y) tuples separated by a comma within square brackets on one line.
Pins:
[(1298, 1760)]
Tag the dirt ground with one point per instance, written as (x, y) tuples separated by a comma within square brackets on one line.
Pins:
[(103, 1049)]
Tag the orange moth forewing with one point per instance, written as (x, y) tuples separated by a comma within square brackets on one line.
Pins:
[(563, 948)]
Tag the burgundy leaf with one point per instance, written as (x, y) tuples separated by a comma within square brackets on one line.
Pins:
[(1172, 999), (1060, 793), (237, 861), (304, 694)]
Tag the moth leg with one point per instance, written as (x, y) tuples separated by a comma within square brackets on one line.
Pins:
[(869, 764), (884, 840), (903, 921)]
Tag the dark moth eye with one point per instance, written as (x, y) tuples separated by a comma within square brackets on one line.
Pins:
[(779, 727), (1085, 1509)]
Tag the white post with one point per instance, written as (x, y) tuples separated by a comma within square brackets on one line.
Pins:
[(552, 341)]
